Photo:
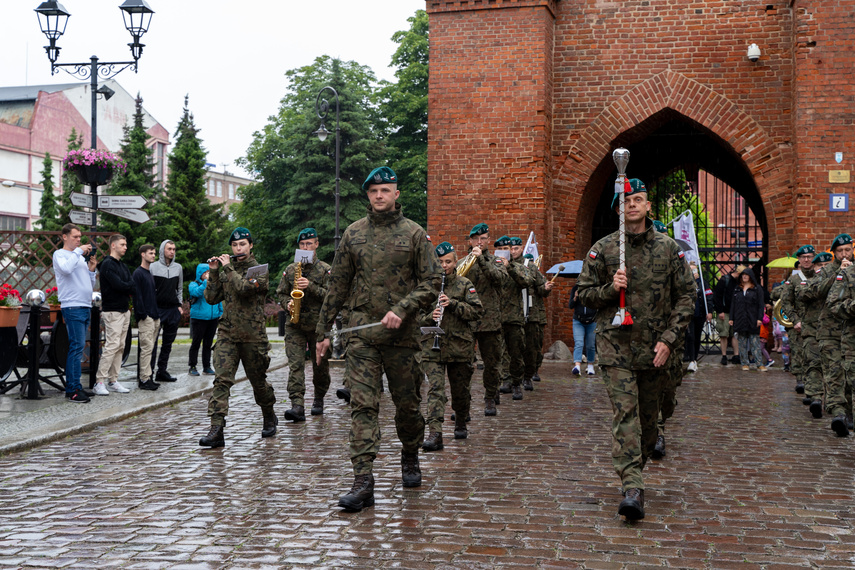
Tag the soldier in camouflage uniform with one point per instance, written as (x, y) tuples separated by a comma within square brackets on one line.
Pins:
[(660, 296), (313, 284), (513, 318), (830, 329), (241, 336), (794, 309), (841, 304), (386, 270), (487, 274), (461, 307), (533, 355), (809, 307)]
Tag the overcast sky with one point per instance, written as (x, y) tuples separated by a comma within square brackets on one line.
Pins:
[(229, 56)]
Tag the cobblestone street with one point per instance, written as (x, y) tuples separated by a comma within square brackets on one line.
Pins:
[(750, 480)]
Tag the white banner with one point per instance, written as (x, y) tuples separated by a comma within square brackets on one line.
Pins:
[(684, 233), (531, 247)]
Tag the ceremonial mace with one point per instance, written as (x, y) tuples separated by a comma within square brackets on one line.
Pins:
[(621, 158)]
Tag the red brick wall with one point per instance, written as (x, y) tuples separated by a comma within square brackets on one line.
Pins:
[(528, 98)]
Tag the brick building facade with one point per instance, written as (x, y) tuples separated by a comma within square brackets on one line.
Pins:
[(529, 97)]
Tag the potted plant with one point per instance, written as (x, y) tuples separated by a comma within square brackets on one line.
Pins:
[(52, 294), (10, 306), (93, 166)]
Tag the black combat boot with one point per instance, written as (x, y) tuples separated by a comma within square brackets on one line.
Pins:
[(838, 424), (816, 408), (318, 406), (807, 400), (214, 438), (489, 407), (460, 431), (411, 475), (527, 385), (361, 495), (433, 442), (343, 394), (518, 392), (800, 387), (536, 377), (505, 388), (296, 414), (632, 506), (270, 423), (659, 450)]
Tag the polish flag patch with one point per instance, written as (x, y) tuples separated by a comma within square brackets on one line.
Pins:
[(428, 236), (681, 255), (472, 289), (593, 254), (840, 278)]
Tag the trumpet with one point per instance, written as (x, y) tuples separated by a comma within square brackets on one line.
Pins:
[(441, 313)]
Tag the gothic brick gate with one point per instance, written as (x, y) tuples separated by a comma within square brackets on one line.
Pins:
[(529, 97)]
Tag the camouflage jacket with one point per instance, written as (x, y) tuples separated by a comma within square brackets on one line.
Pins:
[(816, 322), (517, 279), (487, 274), (786, 292), (243, 301), (841, 304), (660, 296), (313, 296), (463, 310), (385, 262), (830, 327), (537, 293)]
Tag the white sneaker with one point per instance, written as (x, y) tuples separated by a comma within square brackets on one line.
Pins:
[(576, 371), (116, 387), (591, 370), (693, 366), (101, 390)]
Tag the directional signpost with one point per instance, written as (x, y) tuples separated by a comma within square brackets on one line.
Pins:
[(82, 218), (132, 215), (121, 202), (122, 206), (81, 200)]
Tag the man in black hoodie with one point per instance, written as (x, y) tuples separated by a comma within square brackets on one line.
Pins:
[(117, 286), (169, 283), (147, 315), (722, 297)]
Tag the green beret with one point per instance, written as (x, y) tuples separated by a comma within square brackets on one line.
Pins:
[(822, 257), (240, 233), (841, 239), (515, 241), (381, 175), (805, 249), (444, 249), (660, 227), (479, 229), (307, 233), (502, 241), (528, 256), (636, 187)]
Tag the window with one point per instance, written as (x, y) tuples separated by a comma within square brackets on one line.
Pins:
[(219, 188), (231, 191), (210, 187), (9, 223)]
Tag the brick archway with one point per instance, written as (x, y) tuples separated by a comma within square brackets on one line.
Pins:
[(584, 170)]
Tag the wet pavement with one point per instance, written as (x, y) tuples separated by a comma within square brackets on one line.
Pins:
[(750, 480)]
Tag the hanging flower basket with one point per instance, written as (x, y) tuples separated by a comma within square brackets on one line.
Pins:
[(93, 166)]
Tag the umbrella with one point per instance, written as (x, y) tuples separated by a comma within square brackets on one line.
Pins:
[(567, 268), (785, 262)]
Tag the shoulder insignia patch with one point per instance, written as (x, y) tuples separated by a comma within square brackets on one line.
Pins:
[(593, 254), (681, 255), (472, 289), (427, 236), (818, 271), (840, 278), (786, 282)]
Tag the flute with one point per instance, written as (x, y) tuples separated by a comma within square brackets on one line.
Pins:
[(232, 257)]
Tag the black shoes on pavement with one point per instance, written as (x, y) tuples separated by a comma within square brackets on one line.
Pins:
[(296, 414), (489, 407), (318, 407), (632, 506), (214, 438), (344, 394), (411, 474), (800, 388), (148, 385), (838, 425), (505, 388), (164, 376), (78, 396), (433, 441), (527, 385), (361, 494), (518, 395), (659, 450), (270, 423), (816, 408)]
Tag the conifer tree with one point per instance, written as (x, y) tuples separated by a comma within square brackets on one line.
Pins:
[(70, 182), (49, 219)]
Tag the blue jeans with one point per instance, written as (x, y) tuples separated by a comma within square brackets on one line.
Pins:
[(77, 323), (584, 337)]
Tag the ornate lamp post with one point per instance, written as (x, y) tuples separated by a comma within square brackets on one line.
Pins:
[(322, 106), (53, 18)]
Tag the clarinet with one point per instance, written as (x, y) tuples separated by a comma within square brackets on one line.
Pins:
[(441, 312)]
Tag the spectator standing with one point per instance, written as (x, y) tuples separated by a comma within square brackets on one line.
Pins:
[(204, 318), (695, 332), (766, 334), (146, 314), (722, 298), (117, 287), (746, 317), (74, 267), (168, 283), (584, 333)]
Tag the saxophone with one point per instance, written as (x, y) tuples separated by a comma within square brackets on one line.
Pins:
[(296, 295)]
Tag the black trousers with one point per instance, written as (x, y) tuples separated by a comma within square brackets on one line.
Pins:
[(203, 332), (694, 336), (169, 320)]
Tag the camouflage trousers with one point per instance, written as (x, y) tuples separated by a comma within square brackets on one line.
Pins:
[(838, 393), (812, 368), (635, 398), (365, 365), (459, 379), (672, 377), (796, 353), (533, 355), (491, 349), (513, 365), (228, 356), (296, 341)]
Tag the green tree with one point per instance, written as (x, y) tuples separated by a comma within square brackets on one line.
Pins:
[(296, 171), (70, 182), (138, 180), (49, 219), (404, 107), (195, 224)]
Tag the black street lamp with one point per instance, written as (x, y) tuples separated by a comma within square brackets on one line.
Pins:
[(322, 106), (53, 17)]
